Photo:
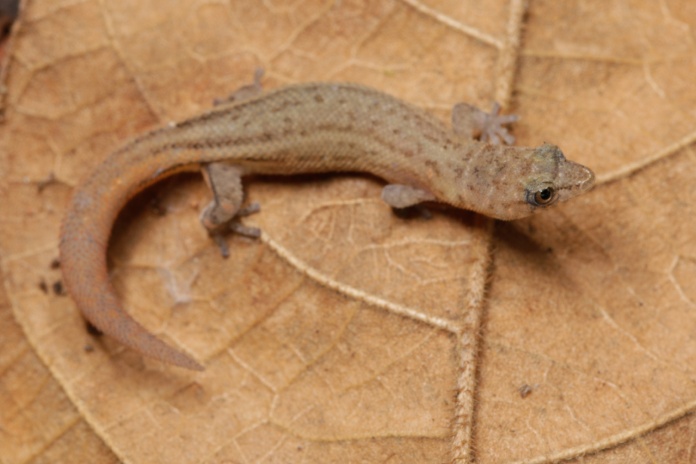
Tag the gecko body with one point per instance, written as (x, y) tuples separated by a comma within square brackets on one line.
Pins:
[(310, 128)]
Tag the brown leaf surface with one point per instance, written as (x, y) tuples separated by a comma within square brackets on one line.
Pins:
[(348, 334)]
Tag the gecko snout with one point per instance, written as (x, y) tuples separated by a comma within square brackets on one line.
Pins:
[(573, 180), (585, 178)]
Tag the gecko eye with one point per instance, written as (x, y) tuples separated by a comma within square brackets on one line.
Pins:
[(542, 197)]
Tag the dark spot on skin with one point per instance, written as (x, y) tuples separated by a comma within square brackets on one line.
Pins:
[(55, 264), (318, 98), (434, 166), (430, 138), (233, 117), (284, 105), (43, 286), (458, 173), (396, 131), (58, 288)]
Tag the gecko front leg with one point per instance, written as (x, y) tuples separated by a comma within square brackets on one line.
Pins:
[(225, 181), (469, 122), (223, 212), (473, 123)]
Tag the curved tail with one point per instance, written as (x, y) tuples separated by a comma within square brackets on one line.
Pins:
[(84, 239)]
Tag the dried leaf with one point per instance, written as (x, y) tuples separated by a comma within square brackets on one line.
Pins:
[(349, 334)]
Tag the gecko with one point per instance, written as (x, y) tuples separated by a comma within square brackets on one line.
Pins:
[(304, 128)]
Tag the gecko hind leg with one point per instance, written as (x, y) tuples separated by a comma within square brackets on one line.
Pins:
[(223, 212), (245, 92), (404, 196), (471, 122), (406, 201)]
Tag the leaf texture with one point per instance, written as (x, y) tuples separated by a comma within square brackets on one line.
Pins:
[(349, 334)]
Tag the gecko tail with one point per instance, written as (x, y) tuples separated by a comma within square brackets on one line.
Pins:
[(83, 262), (85, 236), (111, 319), (132, 334)]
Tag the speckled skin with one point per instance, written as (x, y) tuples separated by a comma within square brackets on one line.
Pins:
[(301, 129)]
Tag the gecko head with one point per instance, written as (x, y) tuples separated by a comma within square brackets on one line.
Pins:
[(551, 179), (515, 182)]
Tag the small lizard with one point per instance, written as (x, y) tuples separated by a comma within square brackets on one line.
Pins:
[(307, 128)]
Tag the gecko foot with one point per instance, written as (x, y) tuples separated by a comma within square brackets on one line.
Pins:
[(251, 208), (219, 240), (492, 129), (471, 122), (239, 228), (218, 234)]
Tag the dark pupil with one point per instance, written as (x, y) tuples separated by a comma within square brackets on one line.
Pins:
[(545, 194)]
